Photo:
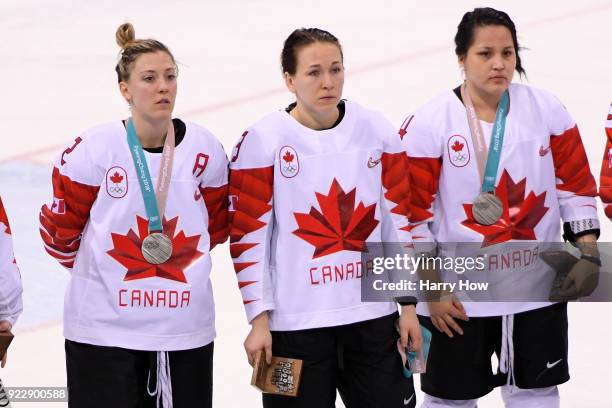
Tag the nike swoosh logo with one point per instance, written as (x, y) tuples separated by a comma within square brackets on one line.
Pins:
[(543, 151), (373, 163), (548, 367), (407, 401)]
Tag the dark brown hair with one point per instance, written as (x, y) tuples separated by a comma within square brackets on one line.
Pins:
[(300, 38)]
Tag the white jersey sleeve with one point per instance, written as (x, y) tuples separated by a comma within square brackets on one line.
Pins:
[(251, 220), (424, 150), (576, 188), (11, 289), (76, 183), (214, 191), (395, 199)]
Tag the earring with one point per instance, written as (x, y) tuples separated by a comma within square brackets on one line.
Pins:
[(462, 69)]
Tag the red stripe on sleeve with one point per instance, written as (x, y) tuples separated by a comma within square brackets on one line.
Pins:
[(61, 227), (251, 192), (571, 164), (396, 180), (605, 177), (424, 179), (215, 199)]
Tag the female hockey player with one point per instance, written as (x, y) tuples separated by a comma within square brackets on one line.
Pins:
[(535, 174), (308, 186), (10, 280), (605, 181), (133, 220), (10, 290)]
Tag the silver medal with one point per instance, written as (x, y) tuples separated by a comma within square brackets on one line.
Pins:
[(487, 209), (157, 248)]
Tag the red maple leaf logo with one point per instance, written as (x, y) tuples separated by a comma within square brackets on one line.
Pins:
[(457, 146), (127, 252), (116, 178), (339, 225), (520, 216), (288, 157)]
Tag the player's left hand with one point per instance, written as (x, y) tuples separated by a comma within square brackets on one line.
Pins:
[(410, 329), (581, 281)]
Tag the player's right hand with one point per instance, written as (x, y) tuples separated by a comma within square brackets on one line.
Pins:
[(581, 281), (444, 312), (5, 326), (258, 339), (409, 329)]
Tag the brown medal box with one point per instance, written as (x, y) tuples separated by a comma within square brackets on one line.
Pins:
[(5, 341), (281, 377)]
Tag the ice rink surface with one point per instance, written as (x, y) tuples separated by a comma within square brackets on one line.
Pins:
[(58, 79)]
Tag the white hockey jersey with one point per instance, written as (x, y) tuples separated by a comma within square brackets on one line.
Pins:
[(605, 181), (302, 205), (543, 177), (95, 227), (11, 288)]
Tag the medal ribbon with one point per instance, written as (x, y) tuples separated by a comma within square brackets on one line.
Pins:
[(155, 207), (488, 169)]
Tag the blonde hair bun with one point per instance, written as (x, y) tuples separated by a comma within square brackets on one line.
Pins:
[(125, 35), (131, 49)]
